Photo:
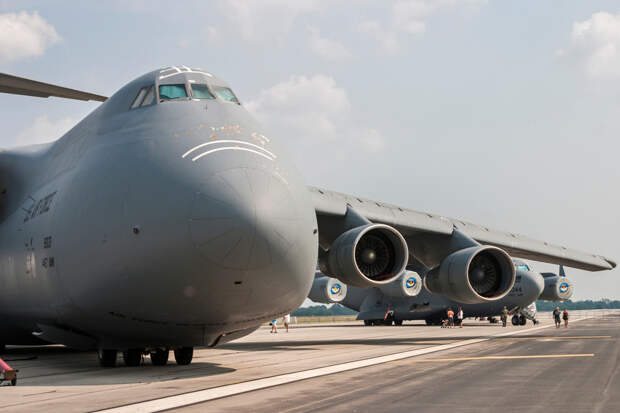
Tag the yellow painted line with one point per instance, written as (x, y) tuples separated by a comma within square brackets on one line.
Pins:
[(541, 356), (553, 337)]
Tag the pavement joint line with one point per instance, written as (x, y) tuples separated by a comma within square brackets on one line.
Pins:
[(201, 396)]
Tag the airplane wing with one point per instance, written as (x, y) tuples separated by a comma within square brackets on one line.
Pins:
[(22, 86), (423, 230)]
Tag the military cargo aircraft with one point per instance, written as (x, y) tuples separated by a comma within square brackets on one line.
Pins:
[(169, 218), (406, 299)]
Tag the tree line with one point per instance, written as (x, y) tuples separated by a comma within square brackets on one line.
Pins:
[(578, 305), (323, 310), (337, 309)]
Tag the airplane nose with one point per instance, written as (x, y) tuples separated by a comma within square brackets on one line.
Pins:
[(244, 219), (535, 284)]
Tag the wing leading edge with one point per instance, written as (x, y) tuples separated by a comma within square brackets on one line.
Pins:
[(333, 204), (22, 86)]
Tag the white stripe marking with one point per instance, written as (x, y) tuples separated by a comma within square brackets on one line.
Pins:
[(202, 145), (200, 396), (232, 148)]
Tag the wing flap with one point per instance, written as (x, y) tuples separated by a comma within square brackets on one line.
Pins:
[(409, 222)]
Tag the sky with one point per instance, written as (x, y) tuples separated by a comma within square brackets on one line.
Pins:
[(505, 114)]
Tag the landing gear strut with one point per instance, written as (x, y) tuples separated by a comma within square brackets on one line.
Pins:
[(107, 357), (183, 355)]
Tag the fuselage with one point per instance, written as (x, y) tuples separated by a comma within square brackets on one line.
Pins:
[(180, 222)]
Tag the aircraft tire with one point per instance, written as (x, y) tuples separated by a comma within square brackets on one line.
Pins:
[(398, 322), (107, 357), (516, 320), (14, 382), (132, 357), (184, 355), (522, 320), (387, 322), (159, 357), (367, 322)]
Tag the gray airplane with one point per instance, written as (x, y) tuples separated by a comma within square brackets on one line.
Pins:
[(407, 299), (169, 218)]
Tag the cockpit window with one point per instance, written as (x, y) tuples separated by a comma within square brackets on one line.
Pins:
[(150, 97), (225, 93), (138, 100), (523, 267), (167, 92), (201, 91), (144, 97)]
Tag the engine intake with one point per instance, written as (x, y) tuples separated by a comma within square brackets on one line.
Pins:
[(556, 288), (367, 256), (473, 275), (327, 290)]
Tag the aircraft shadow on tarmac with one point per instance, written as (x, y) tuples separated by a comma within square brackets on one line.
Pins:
[(61, 366)]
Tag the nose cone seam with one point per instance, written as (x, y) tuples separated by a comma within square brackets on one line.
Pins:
[(243, 218)]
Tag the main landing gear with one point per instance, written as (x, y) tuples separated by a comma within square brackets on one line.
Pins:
[(133, 356), (519, 320)]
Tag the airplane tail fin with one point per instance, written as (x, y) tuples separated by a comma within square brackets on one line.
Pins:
[(562, 273)]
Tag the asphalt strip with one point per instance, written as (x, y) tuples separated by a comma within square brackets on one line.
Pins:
[(200, 396)]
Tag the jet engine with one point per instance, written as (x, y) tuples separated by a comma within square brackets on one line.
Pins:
[(556, 288), (409, 284), (327, 290), (473, 275), (367, 256)]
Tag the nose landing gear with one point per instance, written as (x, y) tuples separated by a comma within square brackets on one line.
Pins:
[(183, 355), (133, 356), (107, 357), (159, 357)]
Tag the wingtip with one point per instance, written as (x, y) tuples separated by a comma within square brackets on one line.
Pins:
[(612, 263)]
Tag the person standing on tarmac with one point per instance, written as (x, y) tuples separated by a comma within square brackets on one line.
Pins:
[(286, 320), (556, 317), (450, 315), (565, 318), (504, 316), (459, 317)]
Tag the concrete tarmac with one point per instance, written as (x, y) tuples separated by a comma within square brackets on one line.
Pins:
[(347, 367)]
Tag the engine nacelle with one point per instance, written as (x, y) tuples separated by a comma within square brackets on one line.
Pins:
[(556, 288), (327, 290), (367, 256), (409, 284), (473, 275)]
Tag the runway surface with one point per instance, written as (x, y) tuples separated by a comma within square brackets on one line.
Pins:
[(347, 367)]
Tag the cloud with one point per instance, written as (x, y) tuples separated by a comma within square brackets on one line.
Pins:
[(325, 48), (313, 110), (43, 130), (264, 20), (595, 45), (408, 17), (24, 35)]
